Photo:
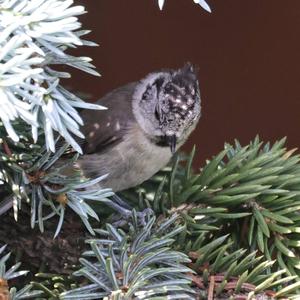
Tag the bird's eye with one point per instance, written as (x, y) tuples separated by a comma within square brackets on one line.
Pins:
[(148, 93), (158, 83), (168, 88)]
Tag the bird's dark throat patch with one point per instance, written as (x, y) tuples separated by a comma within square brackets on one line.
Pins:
[(167, 141)]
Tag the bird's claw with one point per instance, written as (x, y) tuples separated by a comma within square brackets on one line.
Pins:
[(127, 212)]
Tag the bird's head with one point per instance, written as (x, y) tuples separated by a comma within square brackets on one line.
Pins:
[(167, 105)]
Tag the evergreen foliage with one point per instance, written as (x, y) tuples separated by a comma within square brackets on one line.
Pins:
[(137, 264), (9, 274), (251, 192), (228, 231), (35, 36)]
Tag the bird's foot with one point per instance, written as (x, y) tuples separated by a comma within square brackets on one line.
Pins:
[(128, 213), (121, 202)]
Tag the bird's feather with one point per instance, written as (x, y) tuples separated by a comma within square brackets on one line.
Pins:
[(105, 129)]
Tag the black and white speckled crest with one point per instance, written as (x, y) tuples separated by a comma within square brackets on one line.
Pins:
[(168, 102)]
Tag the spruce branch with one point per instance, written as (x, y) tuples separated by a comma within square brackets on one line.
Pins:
[(35, 109), (51, 285), (9, 274), (139, 264), (261, 181), (251, 192), (35, 36), (14, 157), (234, 272), (50, 184)]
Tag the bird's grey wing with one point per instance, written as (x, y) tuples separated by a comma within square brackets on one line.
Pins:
[(106, 128)]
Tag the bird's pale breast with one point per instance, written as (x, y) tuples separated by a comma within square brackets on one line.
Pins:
[(128, 164)]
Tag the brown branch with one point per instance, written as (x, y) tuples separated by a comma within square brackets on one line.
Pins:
[(6, 148), (211, 288), (245, 286), (197, 281), (4, 292)]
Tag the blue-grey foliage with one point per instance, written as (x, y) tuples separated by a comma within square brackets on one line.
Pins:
[(138, 265), (11, 273), (35, 35)]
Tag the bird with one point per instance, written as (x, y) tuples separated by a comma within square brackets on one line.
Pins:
[(145, 123)]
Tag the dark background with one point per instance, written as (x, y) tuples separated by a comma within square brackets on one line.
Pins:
[(247, 53)]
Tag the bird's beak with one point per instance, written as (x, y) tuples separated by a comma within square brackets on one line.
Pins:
[(172, 142)]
